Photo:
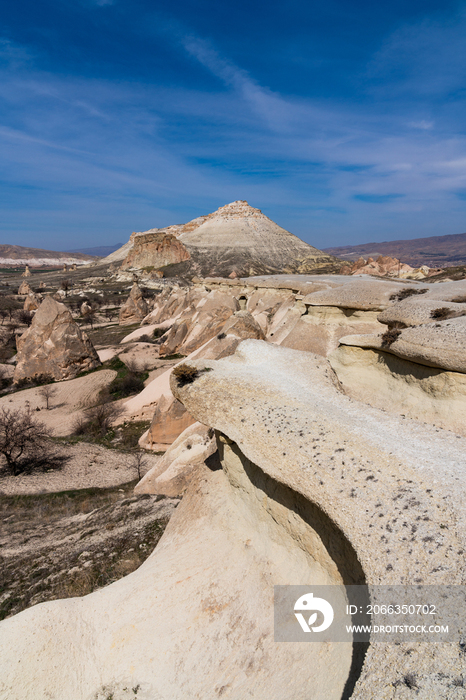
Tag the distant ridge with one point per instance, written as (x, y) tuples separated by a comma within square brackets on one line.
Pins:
[(434, 251), (99, 251), (14, 255)]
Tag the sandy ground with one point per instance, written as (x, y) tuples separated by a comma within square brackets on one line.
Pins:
[(85, 465), (68, 401)]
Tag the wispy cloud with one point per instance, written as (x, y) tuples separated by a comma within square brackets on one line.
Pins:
[(107, 157), (426, 58)]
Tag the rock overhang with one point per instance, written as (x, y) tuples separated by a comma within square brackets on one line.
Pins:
[(359, 464)]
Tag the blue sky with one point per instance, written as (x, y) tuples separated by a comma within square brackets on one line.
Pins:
[(345, 122)]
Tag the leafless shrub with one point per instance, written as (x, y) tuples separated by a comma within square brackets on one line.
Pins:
[(25, 317), (22, 438), (389, 337), (441, 312), (80, 425), (405, 293), (131, 365), (139, 463), (46, 392), (410, 680), (97, 420)]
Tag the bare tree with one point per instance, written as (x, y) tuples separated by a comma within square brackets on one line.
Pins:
[(139, 463), (97, 420), (25, 317), (21, 436), (46, 392), (91, 317)]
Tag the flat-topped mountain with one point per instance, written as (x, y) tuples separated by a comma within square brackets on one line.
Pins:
[(15, 255), (236, 240), (434, 251)]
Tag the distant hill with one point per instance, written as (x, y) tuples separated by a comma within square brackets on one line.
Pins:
[(14, 255), (99, 251), (435, 251), (235, 240)]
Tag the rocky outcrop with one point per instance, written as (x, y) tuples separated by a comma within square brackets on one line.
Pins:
[(383, 266), (405, 388), (135, 308), (172, 475), (54, 345), (32, 301), (24, 289), (313, 314), (27, 272), (309, 490), (302, 312), (85, 309), (170, 419), (416, 366), (154, 249), (200, 322)]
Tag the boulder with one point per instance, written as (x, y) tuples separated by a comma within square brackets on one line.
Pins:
[(54, 345), (242, 325), (321, 328), (135, 308), (85, 309), (24, 288), (32, 301), (172, 474), (170, 304)]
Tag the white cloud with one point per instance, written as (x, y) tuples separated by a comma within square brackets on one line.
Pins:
[(423, 124)]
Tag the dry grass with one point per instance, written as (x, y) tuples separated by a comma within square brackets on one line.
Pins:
[(405, 293), (441, 313), (185, 374), (72, 543), (389, 337)]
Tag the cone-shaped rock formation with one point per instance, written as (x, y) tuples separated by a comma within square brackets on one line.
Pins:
[(236, 240), (54, 345)]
